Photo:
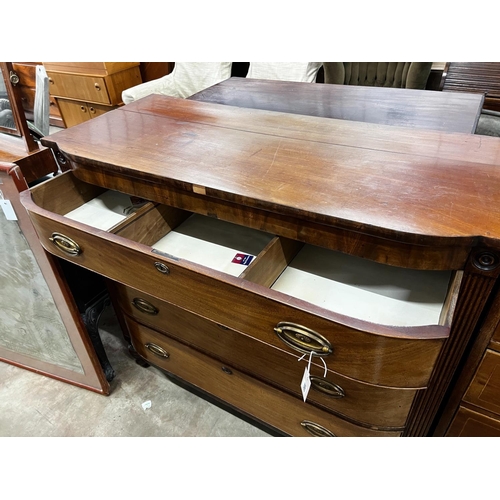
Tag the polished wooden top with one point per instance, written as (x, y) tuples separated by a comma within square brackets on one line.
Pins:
[(415, 186), (447, 112)]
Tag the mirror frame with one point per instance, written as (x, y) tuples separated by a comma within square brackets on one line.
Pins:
[(16, 105)]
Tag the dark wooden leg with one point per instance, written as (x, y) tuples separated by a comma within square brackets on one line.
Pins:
[(138, 359), (90, 318)]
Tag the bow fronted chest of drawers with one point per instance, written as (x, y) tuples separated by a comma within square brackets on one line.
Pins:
[(242, 246)]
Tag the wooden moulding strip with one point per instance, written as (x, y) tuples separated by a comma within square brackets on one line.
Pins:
[(378, 249)]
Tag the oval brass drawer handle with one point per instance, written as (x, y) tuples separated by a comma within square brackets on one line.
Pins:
[(157, 350), (144, 306), (303, 339), (327, 387), (316, 429), (67, 245), (163, 268)]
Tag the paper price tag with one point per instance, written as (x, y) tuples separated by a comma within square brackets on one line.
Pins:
[(8, 210), (305, 385)]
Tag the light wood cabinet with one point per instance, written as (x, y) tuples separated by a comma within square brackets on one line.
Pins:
[(86, 90), (240, 244)]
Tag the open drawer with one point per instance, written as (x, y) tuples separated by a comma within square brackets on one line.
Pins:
[(379, 324)]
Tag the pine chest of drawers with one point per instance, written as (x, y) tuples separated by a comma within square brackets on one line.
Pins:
[(242, 246)]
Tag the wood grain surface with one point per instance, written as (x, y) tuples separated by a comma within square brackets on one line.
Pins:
[(447, 112), (420, 187)]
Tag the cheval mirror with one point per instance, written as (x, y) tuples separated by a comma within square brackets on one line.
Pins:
[(41, 327)]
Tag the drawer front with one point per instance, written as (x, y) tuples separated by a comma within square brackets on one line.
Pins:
[(496, 335), (76, 112), (256, 399), (73, 112), (484, 390), (85, 88), (373, 405), (469, 423), (242, 306), (96, 110)]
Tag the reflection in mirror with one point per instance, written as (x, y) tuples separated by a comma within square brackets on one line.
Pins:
[(30, 323), (12, 118), (6, 116)]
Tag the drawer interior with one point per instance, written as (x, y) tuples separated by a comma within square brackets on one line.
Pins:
[(214, 243), (365, 289), (86, 203), (338, 282), (105, 211)]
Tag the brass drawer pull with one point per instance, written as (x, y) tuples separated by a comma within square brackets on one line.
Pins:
[(144, 306), (303, 339), (160, 266), (316, 429), (97, 86), (227, 370), (157, 350), (327, 387), (67, 245)]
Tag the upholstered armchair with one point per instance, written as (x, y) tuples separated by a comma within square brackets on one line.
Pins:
[(409, 75)]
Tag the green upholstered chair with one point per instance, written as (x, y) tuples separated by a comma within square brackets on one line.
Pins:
[(407, 75)]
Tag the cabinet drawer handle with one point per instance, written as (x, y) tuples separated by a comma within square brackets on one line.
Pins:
[(163, 268), (144, 306), (67, 245), (316, 429), (157, 350), (303, 339), (327, 387), (97, 86)]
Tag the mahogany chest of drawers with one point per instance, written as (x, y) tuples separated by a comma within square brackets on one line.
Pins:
[(242, 246)]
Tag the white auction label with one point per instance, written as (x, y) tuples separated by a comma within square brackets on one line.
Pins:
[(8, 209), (306, 383)]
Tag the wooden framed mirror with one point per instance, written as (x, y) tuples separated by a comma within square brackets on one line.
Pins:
[(41, 327), (12, 119)]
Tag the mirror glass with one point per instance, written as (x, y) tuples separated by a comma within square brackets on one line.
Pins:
[(7, 120), (30, 323)]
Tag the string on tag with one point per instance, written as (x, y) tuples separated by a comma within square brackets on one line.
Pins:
[(326, 369), (309, 364)]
